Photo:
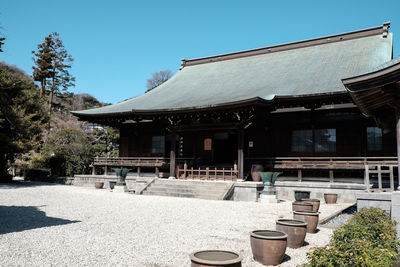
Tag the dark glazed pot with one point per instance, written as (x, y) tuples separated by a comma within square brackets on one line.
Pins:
[(315, 203), (98, 185), (295, 229), (330, 198), (301, 206), (255, 169), (311, 218), (268, 246), (112, 184), (299, 195), (216, 258)]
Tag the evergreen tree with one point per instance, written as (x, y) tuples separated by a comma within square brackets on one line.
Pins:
[(1, 43), (21, 115), (52, 64)]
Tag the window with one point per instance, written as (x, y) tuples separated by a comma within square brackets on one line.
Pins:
[(302, 141), (325, 140), (157, 144), (318, 140), (374, 139)]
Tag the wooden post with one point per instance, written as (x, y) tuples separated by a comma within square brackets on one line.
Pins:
[(184, 170), (157, 172), (379, 177), (299, 175), (172, 156), (138, 171), (330, 176), (391, 178), (105, 170), (207, 173), (398, 144), (366, 177), (240, 153)]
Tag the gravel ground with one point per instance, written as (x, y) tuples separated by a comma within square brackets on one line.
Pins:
[(342, 218), (57, 225)]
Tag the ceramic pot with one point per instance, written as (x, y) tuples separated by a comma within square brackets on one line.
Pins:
[(215, 258), (295, 229), (255, 169), (299, 195), (311, 218), (98, 185), (268, 246), (315, 203), (330, 198), (301, 206), (112, 184)]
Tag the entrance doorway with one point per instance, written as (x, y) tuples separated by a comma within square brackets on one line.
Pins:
[(225, 148)]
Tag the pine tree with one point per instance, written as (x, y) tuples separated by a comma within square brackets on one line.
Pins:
[(52, 64)]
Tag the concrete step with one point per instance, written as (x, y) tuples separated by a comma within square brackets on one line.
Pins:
[(184, 191), (194, 187), (181, 195), (191, 182), (188, 188)]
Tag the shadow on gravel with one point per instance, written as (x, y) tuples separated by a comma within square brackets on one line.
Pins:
[(23, 184), (17, 219)]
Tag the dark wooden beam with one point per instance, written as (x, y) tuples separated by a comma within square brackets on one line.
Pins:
[(172, 156), (240, 152), (398, 143)]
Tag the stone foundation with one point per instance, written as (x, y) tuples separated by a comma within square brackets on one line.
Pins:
[(346, 191), (247, 191), (89, 180)]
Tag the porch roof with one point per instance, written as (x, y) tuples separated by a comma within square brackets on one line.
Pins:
[(311, 67)]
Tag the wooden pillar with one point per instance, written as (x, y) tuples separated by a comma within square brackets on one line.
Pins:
[(366, 177), (240, 153), (105, 170), (331, 176), (391, 178), (398, 144), (172, 156), (379, 177)]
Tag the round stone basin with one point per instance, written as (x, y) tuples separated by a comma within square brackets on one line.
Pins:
[(215, 258), (268, 234)]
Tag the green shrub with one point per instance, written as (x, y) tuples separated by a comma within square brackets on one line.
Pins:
[(368, 239), (36, 174)]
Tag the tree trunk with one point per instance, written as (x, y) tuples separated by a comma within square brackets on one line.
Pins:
[(3, 168), (42, 87), (50, 101)]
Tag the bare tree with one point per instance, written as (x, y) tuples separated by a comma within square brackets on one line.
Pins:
[(158, 78)]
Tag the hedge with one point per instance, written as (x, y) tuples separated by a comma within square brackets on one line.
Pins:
[(36, 174), (368, 239)]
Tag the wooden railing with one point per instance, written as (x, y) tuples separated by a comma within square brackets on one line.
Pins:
[(131, 161), (367, 165), (136, 163), (220, 174)]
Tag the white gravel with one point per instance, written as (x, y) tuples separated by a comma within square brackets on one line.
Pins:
[(56, 225)]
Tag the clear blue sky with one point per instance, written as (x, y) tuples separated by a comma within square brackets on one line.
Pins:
[(117, 45)]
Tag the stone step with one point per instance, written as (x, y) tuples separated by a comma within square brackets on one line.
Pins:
[(183, 183), (189, 187), (181, 195), (180, 190)]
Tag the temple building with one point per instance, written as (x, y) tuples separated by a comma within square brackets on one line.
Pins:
[(319, 110)]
